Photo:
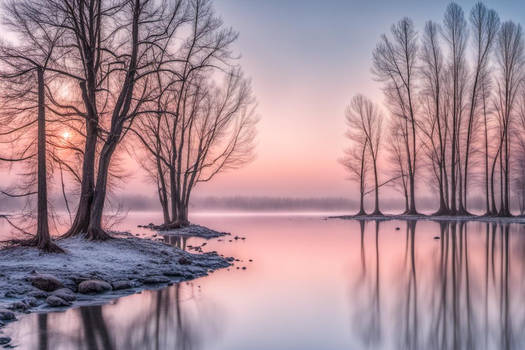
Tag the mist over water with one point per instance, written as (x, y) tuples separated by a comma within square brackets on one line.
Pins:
[(317, 284)]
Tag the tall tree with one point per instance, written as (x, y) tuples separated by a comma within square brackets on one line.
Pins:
[(394, 63), (114, 48), (364, 121), (434, 123), (485, 25), (510, 64), (455, 34), (23, 67), (198, 127)]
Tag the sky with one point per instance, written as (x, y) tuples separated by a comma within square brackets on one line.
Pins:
[(306, 60)]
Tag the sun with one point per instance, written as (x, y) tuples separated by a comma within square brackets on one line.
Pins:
[(66, 135)]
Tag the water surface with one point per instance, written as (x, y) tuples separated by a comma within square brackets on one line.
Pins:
[(318, 284)]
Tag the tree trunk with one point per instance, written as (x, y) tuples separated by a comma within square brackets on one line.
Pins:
[(87, 186), (486, 160), (442, 210), (507, 176), (494, 209), (163, 194), (412, 209), (95, 231), (174, 194), (377, 211), (43, 237)]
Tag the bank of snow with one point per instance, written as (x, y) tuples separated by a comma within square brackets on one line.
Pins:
[(93, 272)]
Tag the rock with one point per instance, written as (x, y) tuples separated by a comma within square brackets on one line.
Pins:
[(10, 294), (184, 261), (55, 301), (65, 293), (5, 340), (397, 228), (45, 282), (18, 306), (155, 280), (93, 286), (6, 315), (30, 301), (244, 267), (436, 237), (81, 278), (38, 294), (118, 285)]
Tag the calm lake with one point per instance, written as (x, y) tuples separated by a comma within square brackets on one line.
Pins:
[(318, 284)]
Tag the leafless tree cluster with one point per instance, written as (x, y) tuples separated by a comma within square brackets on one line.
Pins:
[(100, 72), (454, 96), (202, 120)]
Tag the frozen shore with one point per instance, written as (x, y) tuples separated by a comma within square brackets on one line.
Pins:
[(93, 273), (442, 218)]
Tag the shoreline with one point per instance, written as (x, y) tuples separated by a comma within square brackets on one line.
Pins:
[(94, 273), (436, 218)]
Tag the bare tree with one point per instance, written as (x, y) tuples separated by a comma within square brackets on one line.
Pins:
[(198, 127), (23, 68), (113, 51), (509, 79), (364, 121), (394, 63), (485, 25), (434, 123), (455, 34)]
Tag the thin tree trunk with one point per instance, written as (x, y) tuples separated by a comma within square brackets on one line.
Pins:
[(486, 156), (43, 237), (377, 211), (163, 195)]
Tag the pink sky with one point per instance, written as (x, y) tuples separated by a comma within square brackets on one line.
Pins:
[(306, 60)]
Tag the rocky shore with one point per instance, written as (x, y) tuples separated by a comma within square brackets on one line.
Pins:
[(92, 273)]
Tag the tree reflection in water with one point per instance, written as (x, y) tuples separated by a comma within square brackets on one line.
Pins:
[(165, 323), (448, 296)]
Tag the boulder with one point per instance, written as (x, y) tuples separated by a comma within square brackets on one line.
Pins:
[(45, 282), (6, 315), (18, 306), (93, 287), (118, 285), (38, 294), (65, 293), (55, 301)]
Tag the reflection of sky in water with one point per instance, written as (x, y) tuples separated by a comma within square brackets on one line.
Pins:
[(318, 284)]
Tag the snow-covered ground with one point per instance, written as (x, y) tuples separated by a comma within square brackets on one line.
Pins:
[(93, 272)]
